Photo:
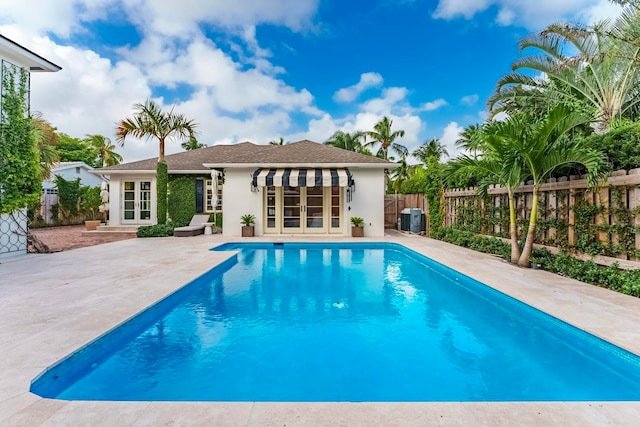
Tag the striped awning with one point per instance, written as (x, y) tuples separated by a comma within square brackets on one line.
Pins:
[(301, 177)]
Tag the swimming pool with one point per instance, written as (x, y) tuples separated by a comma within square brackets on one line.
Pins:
[(342, 322)]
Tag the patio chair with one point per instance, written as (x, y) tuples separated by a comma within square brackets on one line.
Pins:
[(195, 227)]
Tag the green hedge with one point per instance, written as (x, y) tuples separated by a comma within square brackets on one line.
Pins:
[(612, 277), (162, 178), (182, 195), (158, 230)]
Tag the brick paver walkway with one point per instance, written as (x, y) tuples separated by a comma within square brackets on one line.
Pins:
[(69, 237)]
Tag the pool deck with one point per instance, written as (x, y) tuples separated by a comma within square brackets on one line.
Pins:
[(50, 305)]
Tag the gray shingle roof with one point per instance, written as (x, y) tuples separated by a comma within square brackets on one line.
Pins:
[(250, 154)]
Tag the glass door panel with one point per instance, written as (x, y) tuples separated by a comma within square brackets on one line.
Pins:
[(314, 209), (270, 204), (336, 210), (145, 201), (129, 201), (136, 202), (291, 210)]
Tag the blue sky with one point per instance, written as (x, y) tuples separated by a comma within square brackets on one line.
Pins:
[(260, 69)]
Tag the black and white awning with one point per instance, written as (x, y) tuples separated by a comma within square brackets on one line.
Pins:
[(301, 177)]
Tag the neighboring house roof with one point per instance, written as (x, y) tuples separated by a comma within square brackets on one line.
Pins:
[(20, 55), (68, 165), (246, 154)]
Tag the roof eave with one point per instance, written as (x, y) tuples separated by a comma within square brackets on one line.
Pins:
[(35, 62), (302, 165)]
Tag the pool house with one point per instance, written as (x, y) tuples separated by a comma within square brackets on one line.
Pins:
[(302, 188)]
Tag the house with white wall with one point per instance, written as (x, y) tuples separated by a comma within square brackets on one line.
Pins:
[(302, 188), (69, 171), (13, 240)]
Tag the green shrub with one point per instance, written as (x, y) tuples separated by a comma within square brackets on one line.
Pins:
[(161, 181), (182, 195), (158, 230)]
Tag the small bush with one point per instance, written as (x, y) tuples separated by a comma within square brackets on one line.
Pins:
[(158, 230)]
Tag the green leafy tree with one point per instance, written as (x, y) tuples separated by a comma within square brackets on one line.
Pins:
[(278, 142), (192, 144), (349, 141), (470, 140), (540, 148), (600, 72), (107, 155), (20, 169), (72, 149), (150, 122), (428, 149), (47, 139), (383, 135), (499, 165)]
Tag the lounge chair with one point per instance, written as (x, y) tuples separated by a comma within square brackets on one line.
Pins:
[(194, 228)]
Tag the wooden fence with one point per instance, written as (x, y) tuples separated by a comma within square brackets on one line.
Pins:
[(600, 220), (394, 204)]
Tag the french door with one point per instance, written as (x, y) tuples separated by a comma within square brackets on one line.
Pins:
[(298, 210), (136, 202)]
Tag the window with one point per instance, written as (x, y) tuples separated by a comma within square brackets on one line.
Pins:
[(78, 169)]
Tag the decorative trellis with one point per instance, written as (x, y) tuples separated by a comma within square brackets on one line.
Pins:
[(601, 220)]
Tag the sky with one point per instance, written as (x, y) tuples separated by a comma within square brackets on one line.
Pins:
[(258, 70)]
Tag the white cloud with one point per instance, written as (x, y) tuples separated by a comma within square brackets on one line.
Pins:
[(469, 100), (367, 80), (433, 105), (61, 17), (448, 9), (531, 14), (450, 135), (182, 18)]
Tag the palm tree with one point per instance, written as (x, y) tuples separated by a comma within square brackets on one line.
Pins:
[(470, 140), (192, 144), (498, 165), (541, 151), (150, 122), (401, 173), (348, 141), (278, 142), (382, 134), (107, 155), (602, 74), (47, 139), (431, 148)]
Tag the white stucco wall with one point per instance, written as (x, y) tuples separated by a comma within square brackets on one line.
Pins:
[(367, 201), (115, 197), (238, 200)]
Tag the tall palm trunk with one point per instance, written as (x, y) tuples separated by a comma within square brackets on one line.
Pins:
[(513, 231), (531, 233), (161, 156)]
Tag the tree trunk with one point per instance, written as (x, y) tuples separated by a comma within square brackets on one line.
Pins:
[(513, 231), (161, 156), (528, 245)]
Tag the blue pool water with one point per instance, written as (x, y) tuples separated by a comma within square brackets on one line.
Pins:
[(348, 322)]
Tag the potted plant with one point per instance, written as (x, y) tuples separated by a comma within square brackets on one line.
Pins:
[(248, 221), (357, 229), (90, 205)]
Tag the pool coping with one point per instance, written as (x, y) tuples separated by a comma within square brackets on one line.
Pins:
[(72, 297)]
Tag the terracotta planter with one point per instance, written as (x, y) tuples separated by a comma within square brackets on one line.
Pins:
[(247, 230), (92, 225), (357, 231)]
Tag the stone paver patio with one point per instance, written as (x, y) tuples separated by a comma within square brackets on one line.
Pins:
[(53, 304)]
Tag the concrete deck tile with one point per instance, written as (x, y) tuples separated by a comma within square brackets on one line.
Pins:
[(195, 414), (53, 304)]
